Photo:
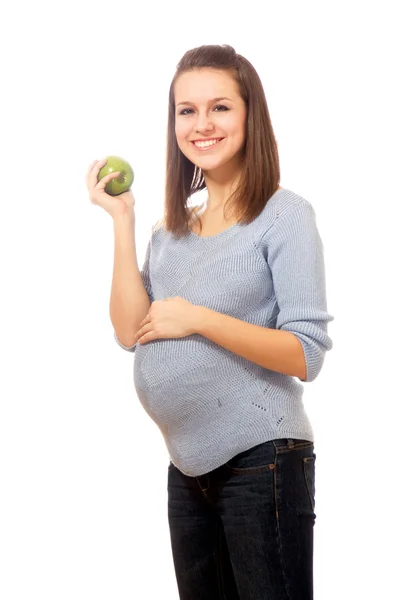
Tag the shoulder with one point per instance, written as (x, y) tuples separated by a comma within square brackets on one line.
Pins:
[(285, 201), (285, 206), (286, 215)]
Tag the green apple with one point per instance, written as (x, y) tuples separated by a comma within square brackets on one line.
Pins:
[(123, 182)]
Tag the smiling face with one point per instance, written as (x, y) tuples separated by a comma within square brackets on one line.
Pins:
[(210, 120)]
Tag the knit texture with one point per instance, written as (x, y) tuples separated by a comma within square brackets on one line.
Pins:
[(209, 403)]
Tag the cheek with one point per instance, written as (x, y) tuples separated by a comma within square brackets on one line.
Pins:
[(235, 127), (182, 130), (241, 131)]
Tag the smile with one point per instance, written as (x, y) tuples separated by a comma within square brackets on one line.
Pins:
[(206, 144)]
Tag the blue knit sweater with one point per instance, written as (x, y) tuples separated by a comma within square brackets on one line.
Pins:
[(209, 403)]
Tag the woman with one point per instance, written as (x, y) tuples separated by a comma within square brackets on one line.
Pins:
[(226, 316)]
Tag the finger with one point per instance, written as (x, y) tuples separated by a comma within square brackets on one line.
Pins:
[(93, 172), (92, 165), (138, 333), (91, 168), (89, 172), (146, 337), (104, 180), (143, 333), (147, 319)]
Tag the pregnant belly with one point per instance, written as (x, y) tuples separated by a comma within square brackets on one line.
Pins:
[(172, 376), (186, 380)]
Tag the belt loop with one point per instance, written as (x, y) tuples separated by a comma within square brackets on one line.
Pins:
[(290, 443)]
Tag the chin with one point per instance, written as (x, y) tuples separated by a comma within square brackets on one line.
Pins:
[(209, 164)]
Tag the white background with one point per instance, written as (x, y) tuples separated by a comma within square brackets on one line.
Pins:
[(83, 510)]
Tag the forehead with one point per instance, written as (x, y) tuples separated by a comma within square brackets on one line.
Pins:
[(200, 85)]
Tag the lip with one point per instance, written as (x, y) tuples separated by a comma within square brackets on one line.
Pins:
[(219, 139)]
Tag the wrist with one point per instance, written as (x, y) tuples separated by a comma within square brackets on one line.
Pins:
[(200, 319), (123, 219)]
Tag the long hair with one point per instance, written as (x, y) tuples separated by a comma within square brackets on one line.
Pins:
[(260, 172)]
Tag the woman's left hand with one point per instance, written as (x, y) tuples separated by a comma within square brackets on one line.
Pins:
[(168, 318)]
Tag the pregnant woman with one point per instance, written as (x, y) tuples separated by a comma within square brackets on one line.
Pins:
[(227, 319)]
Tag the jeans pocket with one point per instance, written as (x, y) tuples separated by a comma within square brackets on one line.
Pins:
[(309, 475), (256, 460)]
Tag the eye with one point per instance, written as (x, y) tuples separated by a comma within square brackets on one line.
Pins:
[(220, 108), (186, 111)]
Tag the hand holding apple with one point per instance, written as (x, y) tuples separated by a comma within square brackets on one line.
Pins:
[(120, 184), (115, 205)]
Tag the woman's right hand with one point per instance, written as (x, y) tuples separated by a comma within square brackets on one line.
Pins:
[(115, 205)]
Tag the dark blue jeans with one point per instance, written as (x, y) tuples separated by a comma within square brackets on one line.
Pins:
[(245, 530)]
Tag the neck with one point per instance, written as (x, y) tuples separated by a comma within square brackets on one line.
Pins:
[(220, 186)]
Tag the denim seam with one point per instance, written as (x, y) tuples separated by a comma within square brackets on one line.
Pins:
[(249, 470), (205, 489), (306, 460), (277, 523)]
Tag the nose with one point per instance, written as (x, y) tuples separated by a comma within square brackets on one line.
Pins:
[(204, 123)]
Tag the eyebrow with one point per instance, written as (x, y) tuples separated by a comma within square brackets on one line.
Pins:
[(210, 101)]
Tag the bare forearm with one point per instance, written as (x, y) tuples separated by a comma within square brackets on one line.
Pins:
[(273, 349), (129, 302)]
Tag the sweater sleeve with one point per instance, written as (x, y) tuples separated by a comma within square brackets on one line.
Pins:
[(295, 257), (145, 273)]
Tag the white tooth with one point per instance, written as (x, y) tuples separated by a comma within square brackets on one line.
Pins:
[(205, 144)]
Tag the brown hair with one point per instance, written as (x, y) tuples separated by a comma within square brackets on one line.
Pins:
[(260, 168)]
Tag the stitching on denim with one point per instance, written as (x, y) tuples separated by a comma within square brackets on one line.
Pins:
[(203, 490), (311, 497), (249, 470), (283, 449), (278, 533)]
